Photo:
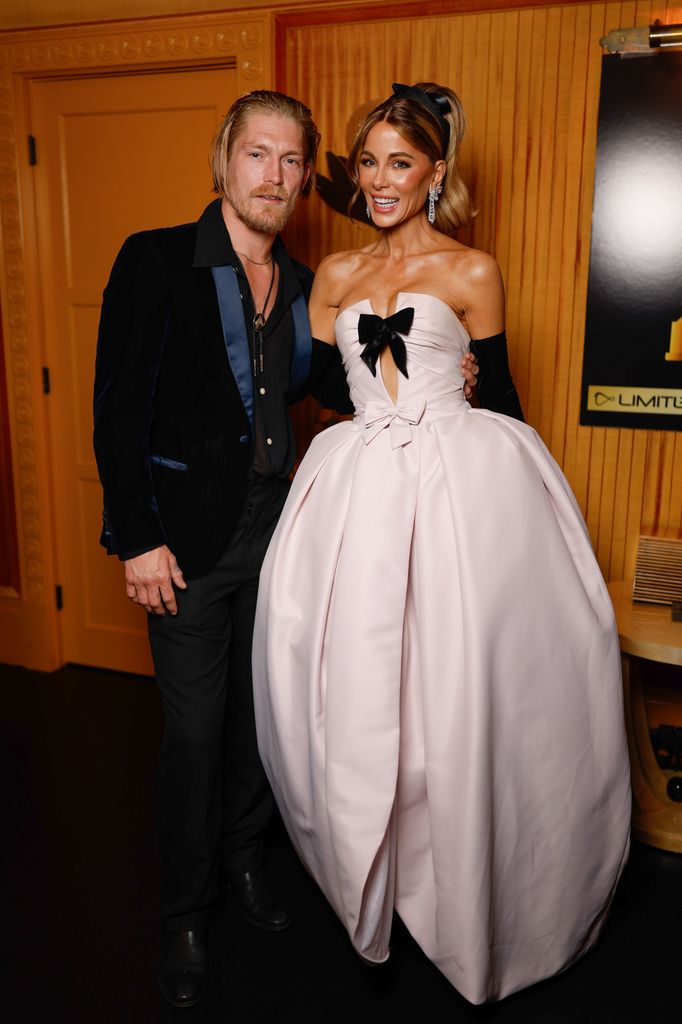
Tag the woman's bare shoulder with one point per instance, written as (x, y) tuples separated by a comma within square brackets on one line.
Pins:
[(333, 275), (474, 265), (338, 264)]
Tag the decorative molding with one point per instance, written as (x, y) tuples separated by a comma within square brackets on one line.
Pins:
[(193, 39), (19, 383), (123, 46)]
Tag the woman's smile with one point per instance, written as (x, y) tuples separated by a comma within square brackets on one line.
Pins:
[(394, 176)]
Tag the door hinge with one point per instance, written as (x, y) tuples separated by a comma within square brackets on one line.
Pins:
[(32, 158), (59, 597), (46, 380)]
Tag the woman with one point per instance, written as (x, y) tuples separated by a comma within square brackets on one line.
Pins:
[(436, 665)]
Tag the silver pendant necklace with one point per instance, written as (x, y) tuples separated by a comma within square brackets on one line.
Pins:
[(258, 325)]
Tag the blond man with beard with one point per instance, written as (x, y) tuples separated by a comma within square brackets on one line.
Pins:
[(203, 342)]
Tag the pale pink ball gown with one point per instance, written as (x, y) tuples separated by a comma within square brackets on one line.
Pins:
[(437, 678)]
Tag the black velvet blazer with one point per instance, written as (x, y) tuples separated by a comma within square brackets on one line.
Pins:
[(172, 417)]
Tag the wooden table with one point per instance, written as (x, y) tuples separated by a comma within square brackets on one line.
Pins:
[(647, 631)]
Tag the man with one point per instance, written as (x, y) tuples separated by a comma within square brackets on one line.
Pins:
[(203, 341)]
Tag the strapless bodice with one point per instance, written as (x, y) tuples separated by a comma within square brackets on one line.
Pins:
[(435, 345)]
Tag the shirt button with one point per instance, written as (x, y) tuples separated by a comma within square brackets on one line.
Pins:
[(262, 391), (269, 440), (243, 439)]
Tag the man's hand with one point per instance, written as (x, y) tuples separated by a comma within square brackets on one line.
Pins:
[(470, 369), (150, 579)]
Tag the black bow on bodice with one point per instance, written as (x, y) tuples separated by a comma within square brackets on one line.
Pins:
[(375, 333)]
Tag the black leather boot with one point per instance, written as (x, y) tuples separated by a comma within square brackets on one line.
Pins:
[(255, 902), (183, 967)]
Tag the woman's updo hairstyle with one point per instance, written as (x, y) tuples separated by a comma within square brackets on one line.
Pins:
[(434, 124)]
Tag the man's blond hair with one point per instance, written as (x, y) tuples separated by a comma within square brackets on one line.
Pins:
[(263, 101)]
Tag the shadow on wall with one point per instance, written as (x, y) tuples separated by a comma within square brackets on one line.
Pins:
[(337, 190)]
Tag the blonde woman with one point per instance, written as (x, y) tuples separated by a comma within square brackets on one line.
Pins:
[(436, 665)]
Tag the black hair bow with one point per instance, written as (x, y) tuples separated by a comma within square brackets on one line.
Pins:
[(375, 333), (435, 102)]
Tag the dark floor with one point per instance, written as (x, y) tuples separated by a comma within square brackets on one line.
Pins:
[(80, 878)]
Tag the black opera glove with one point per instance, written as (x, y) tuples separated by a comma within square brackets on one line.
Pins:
[(327, 379), (496, 389), (375, 333)]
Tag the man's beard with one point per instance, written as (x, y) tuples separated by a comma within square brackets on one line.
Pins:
[(263, 219)]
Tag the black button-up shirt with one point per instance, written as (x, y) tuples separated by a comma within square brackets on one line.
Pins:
[(274, 445)]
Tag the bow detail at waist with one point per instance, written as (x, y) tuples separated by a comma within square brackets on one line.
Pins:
[(398, 418)]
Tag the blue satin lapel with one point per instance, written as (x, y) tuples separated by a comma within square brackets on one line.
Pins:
[(237, 344), (234, 333), (303, 345)]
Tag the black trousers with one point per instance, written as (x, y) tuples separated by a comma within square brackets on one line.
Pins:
[(214, 798)]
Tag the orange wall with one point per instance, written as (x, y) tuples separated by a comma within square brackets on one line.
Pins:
[(31, 13), (16, 14), (9, 566)]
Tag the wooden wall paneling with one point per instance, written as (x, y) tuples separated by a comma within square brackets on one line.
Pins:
[(423, 40), (518, 172), (551, 187), (505, 157), (578, 448), (622, 496), (27, 613), (672, 516), (569, 359), (532, 280), (635, 510), (600, 496), (675, 520), (675, 517), (463, 61), (9, 562), (644, 13), (652, 472), (572, 128), (604, 537), (667, 490), (561, 59), (661, 483), (496, 126), (507, 72), (668, 510), (595, 469), (480, 150)]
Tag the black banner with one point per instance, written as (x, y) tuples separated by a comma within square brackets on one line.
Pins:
[(632, 366)]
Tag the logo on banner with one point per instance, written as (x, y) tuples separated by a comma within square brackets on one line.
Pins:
[(612, 398)]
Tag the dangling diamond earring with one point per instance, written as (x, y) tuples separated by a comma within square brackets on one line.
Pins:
[(434, 195), (369, 215)]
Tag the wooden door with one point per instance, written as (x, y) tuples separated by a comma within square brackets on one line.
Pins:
[(115, 154)]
